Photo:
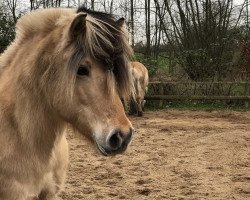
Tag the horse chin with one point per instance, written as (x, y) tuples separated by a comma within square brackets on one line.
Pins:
[(101, 149), (107, 152)]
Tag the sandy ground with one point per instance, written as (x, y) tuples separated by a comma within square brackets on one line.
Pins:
[(174, 155)]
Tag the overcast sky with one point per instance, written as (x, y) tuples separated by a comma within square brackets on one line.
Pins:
[(24, 6)]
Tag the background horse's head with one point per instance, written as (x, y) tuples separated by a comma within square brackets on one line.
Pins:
[(80, 62)]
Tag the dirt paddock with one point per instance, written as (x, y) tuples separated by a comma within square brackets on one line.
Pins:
[(174, 155)]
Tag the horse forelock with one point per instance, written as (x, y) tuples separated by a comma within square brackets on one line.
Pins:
[(107, 43)]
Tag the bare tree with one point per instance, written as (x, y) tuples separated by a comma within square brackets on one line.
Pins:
[(108, 6), (132, 22), (35, 4), (148, 36), (12, 5), (199, 33), (93, 4)]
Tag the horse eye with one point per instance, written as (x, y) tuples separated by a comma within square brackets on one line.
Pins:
[(83, 71)]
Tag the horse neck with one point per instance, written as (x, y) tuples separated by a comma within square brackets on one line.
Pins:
[(38, 126), (24, 110)]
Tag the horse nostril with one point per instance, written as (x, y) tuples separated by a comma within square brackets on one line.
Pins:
[(115, 140), (119, 141), (129, 136)]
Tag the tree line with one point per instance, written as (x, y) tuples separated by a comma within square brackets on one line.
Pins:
[(203, 38)]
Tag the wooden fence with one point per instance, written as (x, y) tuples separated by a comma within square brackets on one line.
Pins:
[(171, 91)]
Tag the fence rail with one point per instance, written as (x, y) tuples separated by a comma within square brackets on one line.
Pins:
[(166, 91), (177, 97)]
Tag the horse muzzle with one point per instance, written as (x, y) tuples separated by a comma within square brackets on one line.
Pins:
[(116, 142)]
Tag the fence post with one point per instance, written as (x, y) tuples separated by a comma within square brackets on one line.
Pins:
[(247, 93), (161, 91)]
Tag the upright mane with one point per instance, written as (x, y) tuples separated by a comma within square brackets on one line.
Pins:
[(105, 40), (39, 22)]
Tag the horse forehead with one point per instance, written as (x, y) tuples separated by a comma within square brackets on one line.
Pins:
[(93, 64)]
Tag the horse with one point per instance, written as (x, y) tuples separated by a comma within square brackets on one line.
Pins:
[(140, 81), (65, 67)]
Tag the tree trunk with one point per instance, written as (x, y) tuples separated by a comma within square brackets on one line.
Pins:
[(147, 16), (132, 22)]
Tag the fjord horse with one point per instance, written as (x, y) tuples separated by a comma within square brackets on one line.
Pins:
[(140, 81), (65, 66)]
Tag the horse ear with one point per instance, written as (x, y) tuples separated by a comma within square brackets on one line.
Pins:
[(120, 22), (78, 25)]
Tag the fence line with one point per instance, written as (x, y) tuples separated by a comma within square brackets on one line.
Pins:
[(163, 97), (191, 97)]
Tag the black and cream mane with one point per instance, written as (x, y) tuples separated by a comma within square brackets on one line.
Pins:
[(106, 40)]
